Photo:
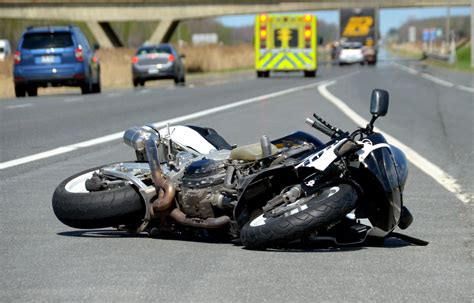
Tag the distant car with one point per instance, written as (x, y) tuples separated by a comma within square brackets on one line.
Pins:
[(350, 52), (5, 49), (154, 62), (55, 56)]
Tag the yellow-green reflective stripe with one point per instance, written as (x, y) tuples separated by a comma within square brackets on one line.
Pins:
[(296, 59), (265, 59), (271, 63)]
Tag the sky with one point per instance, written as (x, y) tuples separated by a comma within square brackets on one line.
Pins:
[(389, 18)]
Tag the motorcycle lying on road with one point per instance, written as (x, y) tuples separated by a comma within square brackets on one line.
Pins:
[(266, 194)]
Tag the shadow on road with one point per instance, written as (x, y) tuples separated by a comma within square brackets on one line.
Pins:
[(299, 246)]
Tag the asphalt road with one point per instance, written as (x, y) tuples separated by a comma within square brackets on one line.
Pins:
[(431, 112)]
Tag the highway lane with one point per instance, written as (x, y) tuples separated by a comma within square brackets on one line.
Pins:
[(43, 260), (52, 121)]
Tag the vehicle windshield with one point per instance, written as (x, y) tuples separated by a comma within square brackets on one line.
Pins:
[(352, 46), (47, 40), (154, 50)]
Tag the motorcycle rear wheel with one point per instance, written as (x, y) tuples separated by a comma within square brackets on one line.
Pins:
[(328, 206), (77, 207)]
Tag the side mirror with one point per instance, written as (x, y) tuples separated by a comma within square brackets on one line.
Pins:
[(96, 46), (379, 102)]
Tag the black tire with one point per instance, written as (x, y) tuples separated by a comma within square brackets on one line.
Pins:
[(310, 73), (326, 208), (97, 209), (135, 82), (259, 74), (86, 88), (142, 83), (32, 91), (96, 87), (20, 91)]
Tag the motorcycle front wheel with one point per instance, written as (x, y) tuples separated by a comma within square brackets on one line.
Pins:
[(299, 219), (77, 207)]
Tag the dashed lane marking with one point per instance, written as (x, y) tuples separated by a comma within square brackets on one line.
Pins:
[(466, 88), (437, 80), (73, 99), (23, 105), (434, 79)]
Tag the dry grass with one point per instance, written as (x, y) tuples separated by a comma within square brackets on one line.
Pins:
[(6, 77), (116, 65), (212, 58)]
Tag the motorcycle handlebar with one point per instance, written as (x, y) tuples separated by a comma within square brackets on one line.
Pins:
[(320, 127)]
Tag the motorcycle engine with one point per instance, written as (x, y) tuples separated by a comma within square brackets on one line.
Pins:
[(203, 173), (202, 183)]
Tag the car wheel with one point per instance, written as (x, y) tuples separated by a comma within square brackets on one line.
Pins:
[(20, 91), (96, 87), (86, 88), (32, 91), (142, 83), (135, 83)]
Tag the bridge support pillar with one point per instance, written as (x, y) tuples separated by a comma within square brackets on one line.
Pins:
[(104, 34), (163, 31)]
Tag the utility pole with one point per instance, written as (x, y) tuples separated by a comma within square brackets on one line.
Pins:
[(447, 29)]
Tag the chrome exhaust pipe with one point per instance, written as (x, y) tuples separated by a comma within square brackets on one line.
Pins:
[(147, 139)]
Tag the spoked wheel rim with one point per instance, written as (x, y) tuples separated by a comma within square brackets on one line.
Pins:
[(78, 184)]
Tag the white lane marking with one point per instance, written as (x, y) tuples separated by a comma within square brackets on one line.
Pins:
[(406, 68), (466, 88), (19, 106), (429, 168), (73, 99), (215, 82), (434, 79), (437, 80), (112, 95), (115, 136), (144, 91)]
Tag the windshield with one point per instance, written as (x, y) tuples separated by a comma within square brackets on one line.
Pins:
[(352, 46), (47, 40)]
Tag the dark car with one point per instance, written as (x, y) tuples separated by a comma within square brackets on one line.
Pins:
[(154, 62), (55, 56)]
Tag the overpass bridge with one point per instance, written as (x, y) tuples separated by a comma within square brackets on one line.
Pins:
[(98, 13)]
